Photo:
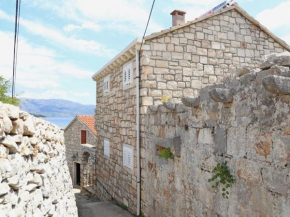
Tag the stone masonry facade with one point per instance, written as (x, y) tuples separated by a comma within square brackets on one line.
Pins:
[(77, 153), (244, 122), (116, 121), (177, 64)]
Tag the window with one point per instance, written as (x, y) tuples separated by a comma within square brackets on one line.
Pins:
[(107, 147), (107, 84), (127, 73), (128, 157), (83, 136)]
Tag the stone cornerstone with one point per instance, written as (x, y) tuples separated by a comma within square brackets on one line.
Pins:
[(34, 176), (244, 122)]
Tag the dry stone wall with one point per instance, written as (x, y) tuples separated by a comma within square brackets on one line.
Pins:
[(244, 122), (34, 176)]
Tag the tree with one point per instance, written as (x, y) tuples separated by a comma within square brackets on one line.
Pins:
[(5, 87)]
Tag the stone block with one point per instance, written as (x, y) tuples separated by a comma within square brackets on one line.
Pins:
[(161, 63), (147, 101), (29, 126), (209, 70), (277, 84), (9, 142), (187, 92), (4, 189), (191, 102), (161, 71), (282, 59), (199, 35), (176, 144), (172, 85), (205, 136), (187, 71), (196, 84), (242, 71), (169, 105), (221, 95), (202, 51)]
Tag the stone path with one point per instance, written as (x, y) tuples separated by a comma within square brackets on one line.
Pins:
[(90, 206)]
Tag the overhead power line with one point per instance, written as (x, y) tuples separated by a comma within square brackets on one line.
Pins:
[(146, 26), (16, 33)]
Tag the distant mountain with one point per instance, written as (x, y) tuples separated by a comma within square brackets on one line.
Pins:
[(56, 107)]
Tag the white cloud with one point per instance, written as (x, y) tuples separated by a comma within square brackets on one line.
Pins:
[(122, 16), (193, 8), (87, 25), (276, 17), (55, 36), (48, 94), (38, 67), (198, 2), (58, 94), (287, 38)]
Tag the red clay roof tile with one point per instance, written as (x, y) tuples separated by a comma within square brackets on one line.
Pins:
[(88, 120)]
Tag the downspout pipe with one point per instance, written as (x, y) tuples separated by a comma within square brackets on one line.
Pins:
[(137, 81)]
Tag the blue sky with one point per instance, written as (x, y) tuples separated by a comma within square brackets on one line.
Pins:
[(63, 43)]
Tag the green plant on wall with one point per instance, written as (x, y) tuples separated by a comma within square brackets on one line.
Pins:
[(166, 153), (223, 177), (165, 99)]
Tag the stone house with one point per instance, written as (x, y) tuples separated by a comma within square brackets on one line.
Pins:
[(176, 63), (80, 141)]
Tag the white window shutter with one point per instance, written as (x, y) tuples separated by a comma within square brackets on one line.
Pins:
[(128, 157), (127, 73), (107, 147), (107, 84)]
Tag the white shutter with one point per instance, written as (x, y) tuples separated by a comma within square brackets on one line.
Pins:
[(107, 83), (128, 157), (127, 73), (107, 147)]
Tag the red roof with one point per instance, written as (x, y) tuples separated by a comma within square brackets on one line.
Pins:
[(88, 120)]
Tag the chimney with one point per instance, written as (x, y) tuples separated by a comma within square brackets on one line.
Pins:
[(178, 17)]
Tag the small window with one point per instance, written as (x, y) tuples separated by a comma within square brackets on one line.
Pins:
[(107, 147), (107, 84), (83, 137), (127, 73), (128, 157)]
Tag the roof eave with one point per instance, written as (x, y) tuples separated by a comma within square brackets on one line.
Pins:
[(120, 59)]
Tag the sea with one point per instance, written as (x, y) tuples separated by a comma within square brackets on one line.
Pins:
[(60, 121)]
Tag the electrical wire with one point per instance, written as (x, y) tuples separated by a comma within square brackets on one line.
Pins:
[(146, 27), (16, 34)]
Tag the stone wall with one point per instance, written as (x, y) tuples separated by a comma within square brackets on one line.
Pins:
[(75, 151), (34, 177), (176, 64), (244, 122), (116, 121)]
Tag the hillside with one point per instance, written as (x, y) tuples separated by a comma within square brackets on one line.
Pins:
[(56, 107)]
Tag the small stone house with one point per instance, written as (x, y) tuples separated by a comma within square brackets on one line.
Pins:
[(80, 141), (176, 63)]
